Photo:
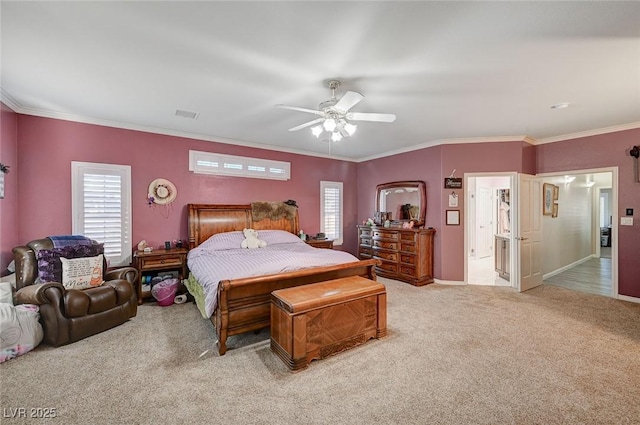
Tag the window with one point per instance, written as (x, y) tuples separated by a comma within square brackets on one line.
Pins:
[(331, 210), (240, 166), (101, 207)]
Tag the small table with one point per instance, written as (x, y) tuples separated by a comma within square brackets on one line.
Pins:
[(157, 261), (322, 319), (320, 243)]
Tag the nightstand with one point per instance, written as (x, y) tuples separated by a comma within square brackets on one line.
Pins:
[(157, 261), (320, 243)]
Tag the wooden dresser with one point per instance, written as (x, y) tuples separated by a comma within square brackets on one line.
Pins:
[(405, 254)]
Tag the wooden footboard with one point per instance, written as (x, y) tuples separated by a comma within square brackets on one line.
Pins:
[(245, 304)]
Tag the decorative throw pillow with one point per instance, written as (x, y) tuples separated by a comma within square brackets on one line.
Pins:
[(82, 273), (49, 265)]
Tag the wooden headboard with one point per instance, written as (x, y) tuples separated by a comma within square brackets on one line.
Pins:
[(208, 220)]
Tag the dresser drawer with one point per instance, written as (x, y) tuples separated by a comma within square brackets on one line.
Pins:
[(366, 241), (365, 232), (408, 236), (366, 251), (385, 255), (408, 259), (407, 247), (407, 270), (386, 245), (385, 234), (164, 261), (388, 267)]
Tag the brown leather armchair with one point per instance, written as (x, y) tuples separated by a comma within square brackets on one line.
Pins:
[(69, 315)]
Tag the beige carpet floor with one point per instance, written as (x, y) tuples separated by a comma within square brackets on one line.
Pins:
[(453, 355)]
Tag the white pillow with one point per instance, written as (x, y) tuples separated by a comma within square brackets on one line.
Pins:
[(274, 237), (82, 273), (223, 241), (6, 296)]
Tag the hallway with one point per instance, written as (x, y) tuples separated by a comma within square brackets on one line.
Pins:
[(593, 276)]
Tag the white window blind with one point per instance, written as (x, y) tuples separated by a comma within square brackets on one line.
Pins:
[(240, 166), (331, 210), (101, 206)]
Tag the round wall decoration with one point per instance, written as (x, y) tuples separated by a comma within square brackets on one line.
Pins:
[(162, 192)]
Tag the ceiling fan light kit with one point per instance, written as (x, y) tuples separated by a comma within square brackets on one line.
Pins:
[(335, 116)]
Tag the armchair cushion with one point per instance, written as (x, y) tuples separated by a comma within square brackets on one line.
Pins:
[(50, 266)]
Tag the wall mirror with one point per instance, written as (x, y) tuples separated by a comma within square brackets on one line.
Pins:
[(403, 201)]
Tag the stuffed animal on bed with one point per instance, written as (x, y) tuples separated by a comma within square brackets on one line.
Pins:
[(252, 240)]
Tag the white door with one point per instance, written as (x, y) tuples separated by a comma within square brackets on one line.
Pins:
[(484, 230), (528, 237)]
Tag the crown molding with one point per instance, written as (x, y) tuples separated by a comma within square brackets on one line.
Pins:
[(589, 133), (450, 142), (175, 133), (8, 100), (12, 103)]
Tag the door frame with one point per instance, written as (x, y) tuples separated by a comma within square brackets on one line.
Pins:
[(468, 221)]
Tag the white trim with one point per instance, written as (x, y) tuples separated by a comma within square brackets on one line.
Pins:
[(628, 298), (449, 282), (568, 266), (13, 104), (8, 100), (497, 139), (589, 133)]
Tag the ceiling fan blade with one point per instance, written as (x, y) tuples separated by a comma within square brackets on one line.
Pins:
[(371, 116), (295, 108), (307, 124), (348, 101)]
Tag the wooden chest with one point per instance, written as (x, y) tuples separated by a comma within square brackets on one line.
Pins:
[(318, 320)]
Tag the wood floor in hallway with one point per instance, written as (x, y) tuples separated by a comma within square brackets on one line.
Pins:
[(592, 276)]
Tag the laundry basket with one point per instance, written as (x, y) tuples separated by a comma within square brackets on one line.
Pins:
[(164, 292)]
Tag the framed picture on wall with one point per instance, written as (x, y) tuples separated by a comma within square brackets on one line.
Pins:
[(554, 212), (556, 192), (547, 199), (453, 217)]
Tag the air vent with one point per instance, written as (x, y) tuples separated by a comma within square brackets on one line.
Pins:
[(187, 114)]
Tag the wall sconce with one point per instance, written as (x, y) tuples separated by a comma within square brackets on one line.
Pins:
[(635, 153), (569, 179)]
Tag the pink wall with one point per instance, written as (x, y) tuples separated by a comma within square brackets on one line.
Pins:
[(422, 165), (606, 150), (8, 205), (47, 147), (432, 165)]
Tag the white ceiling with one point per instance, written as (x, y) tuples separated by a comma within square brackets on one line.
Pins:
[(448, 70)]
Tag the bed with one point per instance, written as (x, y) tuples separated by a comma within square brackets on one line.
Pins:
[(242, 304)]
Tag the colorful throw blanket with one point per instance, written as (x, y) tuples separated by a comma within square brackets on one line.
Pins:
[(70, 240)]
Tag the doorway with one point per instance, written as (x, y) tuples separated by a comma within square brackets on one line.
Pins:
[(489, 218), (581, 245)]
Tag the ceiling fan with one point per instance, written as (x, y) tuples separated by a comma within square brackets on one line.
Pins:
[(335, 115)]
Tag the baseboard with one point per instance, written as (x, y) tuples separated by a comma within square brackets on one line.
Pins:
[(448, 282), (628, 298), (567, 267)]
